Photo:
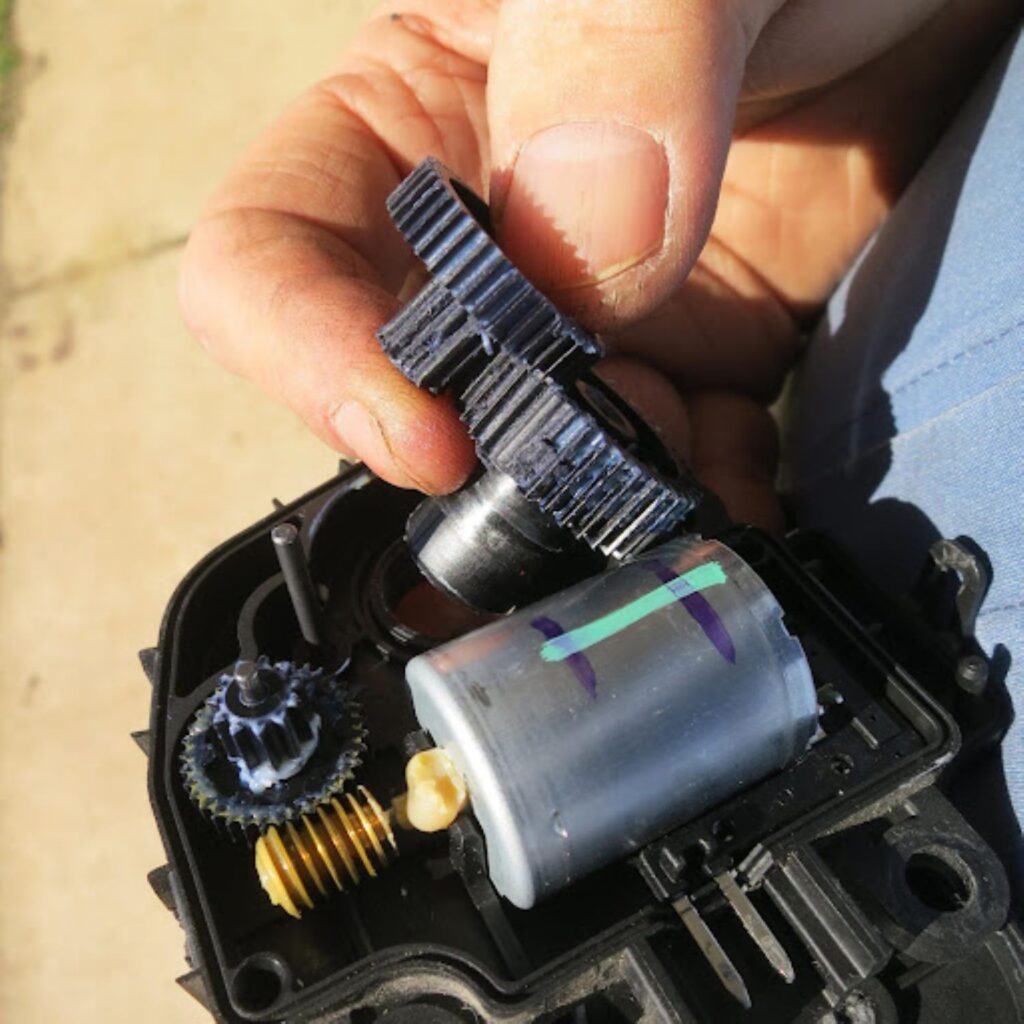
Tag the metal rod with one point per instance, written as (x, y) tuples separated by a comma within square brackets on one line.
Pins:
[(301, 588), (251, 688), (712, 950), (756, 926)]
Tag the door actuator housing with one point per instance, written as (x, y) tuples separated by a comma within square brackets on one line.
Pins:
[(538, 751)]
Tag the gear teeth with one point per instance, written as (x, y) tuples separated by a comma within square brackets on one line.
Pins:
[(478, 301), (511, 359), (564, 461), (284, 734), (449, 341), (240, 814)]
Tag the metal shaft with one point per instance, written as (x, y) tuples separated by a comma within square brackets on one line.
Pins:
[(251, 688), (301, 588)]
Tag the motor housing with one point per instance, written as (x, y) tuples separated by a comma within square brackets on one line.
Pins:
[(598, 718)]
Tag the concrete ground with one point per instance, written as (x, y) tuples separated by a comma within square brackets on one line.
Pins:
[(125, 455)]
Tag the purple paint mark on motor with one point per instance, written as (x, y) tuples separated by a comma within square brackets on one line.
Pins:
[(578, 662), (701, 611)]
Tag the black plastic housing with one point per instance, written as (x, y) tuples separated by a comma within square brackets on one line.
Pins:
[(429, 940)]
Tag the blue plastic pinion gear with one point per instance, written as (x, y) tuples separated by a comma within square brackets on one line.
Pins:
[(518, 370), (272, 741)]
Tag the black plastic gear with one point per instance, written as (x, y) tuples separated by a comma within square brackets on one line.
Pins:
[(266, 723), (570, 461), (477, 299), (518, 370), (290, 748)]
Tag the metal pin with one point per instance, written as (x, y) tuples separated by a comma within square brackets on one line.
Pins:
[(756, 926), (301, 590), (251, 688), (712, 950)]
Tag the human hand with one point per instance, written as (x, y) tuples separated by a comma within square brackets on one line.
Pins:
[(607, 134)]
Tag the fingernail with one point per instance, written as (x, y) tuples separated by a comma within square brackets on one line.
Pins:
[(361, 432), (586, 201)]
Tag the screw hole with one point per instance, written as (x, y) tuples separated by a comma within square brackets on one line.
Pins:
[(259, 982), (842, 764), (724, 830), (937, 883)]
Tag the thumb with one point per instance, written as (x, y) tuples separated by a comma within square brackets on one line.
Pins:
[(610, 123)]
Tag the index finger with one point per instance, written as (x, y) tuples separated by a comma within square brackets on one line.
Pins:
[(294, 264)]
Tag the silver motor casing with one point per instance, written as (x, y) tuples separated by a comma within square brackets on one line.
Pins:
[(668, 704)]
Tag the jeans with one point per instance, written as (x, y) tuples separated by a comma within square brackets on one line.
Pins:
[(907, 415)]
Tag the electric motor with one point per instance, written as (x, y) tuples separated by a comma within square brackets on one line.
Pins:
[(597, 719)]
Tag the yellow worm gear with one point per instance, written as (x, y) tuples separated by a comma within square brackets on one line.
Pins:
[(342, 840)]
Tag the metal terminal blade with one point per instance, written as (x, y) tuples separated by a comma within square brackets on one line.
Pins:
[(712, 950), (756, 926)]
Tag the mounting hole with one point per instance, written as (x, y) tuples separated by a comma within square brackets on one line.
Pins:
[(937, 883), (723, 830), (259, 982), (842, 764)]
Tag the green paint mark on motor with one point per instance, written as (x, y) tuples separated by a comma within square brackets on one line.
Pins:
[(576, 640)]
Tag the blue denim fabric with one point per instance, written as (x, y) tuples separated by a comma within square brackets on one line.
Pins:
[(907, 418)]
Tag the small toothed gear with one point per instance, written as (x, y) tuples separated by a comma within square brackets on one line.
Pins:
[(273, 741), (266, 723), (518, 370)]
